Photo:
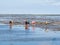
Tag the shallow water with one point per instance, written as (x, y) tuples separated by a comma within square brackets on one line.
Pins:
[(19, 36)]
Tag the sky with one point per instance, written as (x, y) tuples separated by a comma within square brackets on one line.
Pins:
[(29, 6)]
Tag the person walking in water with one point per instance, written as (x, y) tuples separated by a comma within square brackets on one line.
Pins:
[(46, 29), (11, 24), (26, 24), (33, 24)]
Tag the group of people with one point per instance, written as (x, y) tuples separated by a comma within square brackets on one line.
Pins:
[(26, 23)]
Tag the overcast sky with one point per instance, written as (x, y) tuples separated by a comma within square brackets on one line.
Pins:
[(29, 6)]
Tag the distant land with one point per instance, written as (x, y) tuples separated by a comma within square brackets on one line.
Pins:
[(32, 14)]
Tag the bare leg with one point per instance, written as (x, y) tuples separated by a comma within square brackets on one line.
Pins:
[(10, 26), (26, 26), (33, 27)]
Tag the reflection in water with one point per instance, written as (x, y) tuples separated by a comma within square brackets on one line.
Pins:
[(46, 29), (33, 27), (27, 31), (26, 34)]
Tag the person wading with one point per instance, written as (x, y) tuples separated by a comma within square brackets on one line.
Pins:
[(11, 24), (26, 24), (33, 25)]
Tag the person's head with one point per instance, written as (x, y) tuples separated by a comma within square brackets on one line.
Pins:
[(11, 21)]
